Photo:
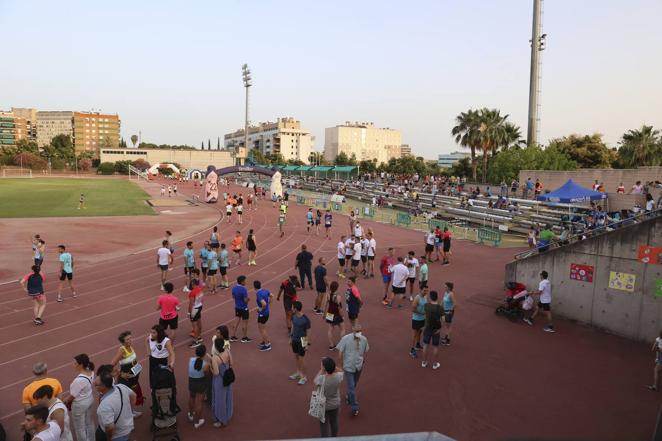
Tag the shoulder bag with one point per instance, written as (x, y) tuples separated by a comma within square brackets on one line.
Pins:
[(100, 434), (228, 376)]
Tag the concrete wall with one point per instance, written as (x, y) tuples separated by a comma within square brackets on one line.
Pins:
[(196, 159), (637, 315)]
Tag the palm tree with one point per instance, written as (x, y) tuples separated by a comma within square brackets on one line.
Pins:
[(492, 133), (512, 136), (134, 139), (641, 147), (466, 133)]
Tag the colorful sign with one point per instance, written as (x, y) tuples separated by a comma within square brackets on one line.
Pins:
[(583, 273), (658, 288), (622, 281), (650, 255)]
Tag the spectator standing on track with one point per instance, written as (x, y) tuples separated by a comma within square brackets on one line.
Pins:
[(304, 263), (353, 300), (288, 289), (432, 330), (321, 283), (657, 350), (57, 411), (418, 320), (204, 260), (328, 220), (81, 397), (168, 305), (365, 245), (352, 350), (412, 265), (160, 350), (446, 240), (129, 367), (385, 267), (449, 304), (195, 302), (429, 244), (189, 264), (352, 221), (318, 221), (174, 189), (281, 221), (349, 252), (299, 341), (228, 210), (328, 379), (263, 299), (198, 368), (237, 245), (240, 211), (251, 247), (36, 421), (37, 254), (33, 284), (309, 219), (241, 313), (169, 191), (399, 275), (356, 256), (423, 273), (163, 190), (341, 257), (40, 371), (222, 397), (544, 303), (223, 265), (212, 268), (358, 231), (163, 260), (372, 250), (114, 413), (333, 315)]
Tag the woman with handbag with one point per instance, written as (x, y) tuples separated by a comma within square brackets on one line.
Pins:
[(328, 383), (222, 379)]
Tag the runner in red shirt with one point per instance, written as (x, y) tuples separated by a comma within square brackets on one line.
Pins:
[(168, 304), (385, 268), (288, 289), (195, 298)]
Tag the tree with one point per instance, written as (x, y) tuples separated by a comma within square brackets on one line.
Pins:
[(141, 164), (275, 158), (29, 160), (208, 144), (641, 147), (587, 151), (122, 167), (506, 166), (202, 145), (341, 159), (461, 168), (218, 143), (106, 168), (466, 135), (368, 166), (84, 164), (512, 136), (134, 140), (106, 143), (60, 148), (492, 134), (257, 156)]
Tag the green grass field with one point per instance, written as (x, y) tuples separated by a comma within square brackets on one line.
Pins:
[(58, 197)]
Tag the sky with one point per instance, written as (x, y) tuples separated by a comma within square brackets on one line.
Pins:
[(172, 69)]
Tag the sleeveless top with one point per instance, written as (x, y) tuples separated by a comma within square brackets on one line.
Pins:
[(214, 238), (193, 372), (250, 241), (419, 313), (448, 302), (66, 433), (128, 359), (158, 350), (334, 307)]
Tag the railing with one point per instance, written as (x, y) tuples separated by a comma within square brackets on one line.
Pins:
[(589, 233), (135, 171)]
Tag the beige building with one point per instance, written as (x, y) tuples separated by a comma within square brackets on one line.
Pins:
[(405, 150), (188, 159), (285, 136), (30, 117), (53, 123), (364, 140)]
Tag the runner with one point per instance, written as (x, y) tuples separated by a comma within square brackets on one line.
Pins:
[(385, 267), (39, 248), (163, 260), (412, 266), (169, 191), (66, 272), (429, 244), (163, 190), (240, 296), (446, 239), (249, 202), (288, 289), (372, 250), (228, 210), (328, 220), (174, 189), (341, 257), (358, 230), (318, 221), (263, 299), (212, 269), (353, 301), (449, 304), (418, 320), (81, 201), (349, 252), (237, 244), (309, 219), (333, 315), (365, 245), (240, 210), (399, 275), (437, 244), (432, 330), (356, 256), (204, 260), (168, 305), (223, 265), (299, 341), (214, 239), (286, 198), (321, 283), (251, 247), (423, 273), (33, 284), (189, 264), (281, 222), (195, 300), (171, 241)]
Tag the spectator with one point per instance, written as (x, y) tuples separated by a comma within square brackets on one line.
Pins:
[(304, 263), (657, 349), (637, 188), (40, 371), (329, 379), (81, 397), (620, 189), (114, 413), (352, 350), (222, 396), (650, 204), (36, 421)]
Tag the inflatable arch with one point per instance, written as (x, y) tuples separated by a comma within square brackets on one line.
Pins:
[(154, 170), (211, 186), (194, 174)]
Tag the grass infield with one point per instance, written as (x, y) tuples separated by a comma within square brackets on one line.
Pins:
[(58, 197)]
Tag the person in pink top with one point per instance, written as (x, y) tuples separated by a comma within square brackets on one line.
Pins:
[(168, 304)]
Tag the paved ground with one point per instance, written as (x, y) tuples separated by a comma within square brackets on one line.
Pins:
[(498, 380)]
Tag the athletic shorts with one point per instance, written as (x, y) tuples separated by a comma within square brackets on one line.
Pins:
[(297, 348), (163, 267), (545, 306), (204, 270), (371, 257), (399, 290), (229, 213), (169, 323), (263, 319), (422, 284), (352, 315), (411, 280), (66, 275), (327, 226), (417, 324), (448, 316), (237, 250), (341, 262), (430, 336), (287, 303), (321, 289), (215, 245), (429, 248), (309, 222), (197, 386), (386, 279), (240, 213), (355, 263), (196, 314), (317, 222), (211, 272), (223, 270), (38, 297), (188, 269), (242, 313), (447, 248), (364, 258)]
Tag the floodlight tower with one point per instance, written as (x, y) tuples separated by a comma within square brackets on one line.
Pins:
[(537, 46), (246, 76)]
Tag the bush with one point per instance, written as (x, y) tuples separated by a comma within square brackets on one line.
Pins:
[(122, 167), (96, 162), (106, 168), (141, 164), (166, 171), (84, 164), (30, 160), (58, 164), (6, 160)]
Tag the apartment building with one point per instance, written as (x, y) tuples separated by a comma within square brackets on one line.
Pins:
[(93, 130), (364, 140), (53, 123), (448, 160), (285, 136)]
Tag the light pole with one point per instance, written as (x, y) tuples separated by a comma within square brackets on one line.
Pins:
[(246, 76), (537, 46)]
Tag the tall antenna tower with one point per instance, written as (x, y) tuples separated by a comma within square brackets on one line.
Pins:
[(537, 46)]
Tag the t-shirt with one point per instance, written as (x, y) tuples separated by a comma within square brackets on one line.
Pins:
[(423, 273), (168, 304), (30, 389), (412, 264), (204, 255), (353, 299), (545, 288), (304, 260), (341, 250), (164, 256), (309, 216), (358, 230), (365, 244), (649, 205), (224, 258), (320, 273), (300, 326), (189, 255), (547, 235), (36, 286), (228, 208), (372, 247), (67, 260), (240, 295), (349, 247), (109, 410), (262, 295), (331, 389), (196, 295), (429, 238), (212, 260), (81, 387), (50, 433), (327, 219), (432, 316), (385, 265), (400, 275), (357, 251)]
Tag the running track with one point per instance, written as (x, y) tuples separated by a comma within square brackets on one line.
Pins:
[(498, 380)]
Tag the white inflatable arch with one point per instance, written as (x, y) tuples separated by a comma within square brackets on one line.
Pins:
[(154, 170)]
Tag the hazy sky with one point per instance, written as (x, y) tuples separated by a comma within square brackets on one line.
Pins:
[(172, 69)]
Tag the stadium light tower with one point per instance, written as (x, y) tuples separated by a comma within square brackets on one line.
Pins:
[(246, 76), (537, 46)]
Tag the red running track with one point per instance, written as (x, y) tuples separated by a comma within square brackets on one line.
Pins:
[(498, 379)]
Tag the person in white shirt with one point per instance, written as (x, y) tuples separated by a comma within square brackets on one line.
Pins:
[(356, 255), (36, 421), (114, 413), (544, 303), (372, 249), (429, 244), (399, 276), (358, 230), (57, 411), (657, 349), (349, 252), (341, 257), (365, 244), (80, 398), (163, 260), (412, 267)]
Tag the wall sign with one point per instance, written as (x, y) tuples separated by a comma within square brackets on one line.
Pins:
[(622, 281), (583, 273), (650, 255)]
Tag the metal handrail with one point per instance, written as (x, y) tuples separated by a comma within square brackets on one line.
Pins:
[(597, 231)]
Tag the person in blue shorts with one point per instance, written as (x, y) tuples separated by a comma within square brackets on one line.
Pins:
[(240, 296), (189, 264), (263, 299)]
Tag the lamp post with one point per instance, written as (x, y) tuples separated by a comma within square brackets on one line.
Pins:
[(246, 76), (537, 46)]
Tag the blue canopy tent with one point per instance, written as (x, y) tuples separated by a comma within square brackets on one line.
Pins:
[(571, 193)]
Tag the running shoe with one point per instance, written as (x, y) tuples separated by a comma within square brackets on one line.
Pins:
[(190, 417), (246, 340), (198, 424), (652, 387), (355, 412), (419, 347), (411, 299), (265, 348), (413, 354), (332, 348), (195, 344), (549, 329), (436, 366), (528, 321), (233, 339), (384, 302), (294, 376), (389, 305), (446, 341), (60, 299), (424, 364), (302, 381)]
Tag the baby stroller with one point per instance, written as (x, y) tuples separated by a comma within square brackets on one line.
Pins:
[(516, 302), (164, 405)]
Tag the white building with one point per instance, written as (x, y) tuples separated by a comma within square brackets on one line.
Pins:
[(285, 136), (448, 160), (364, 140), (51, 124)]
